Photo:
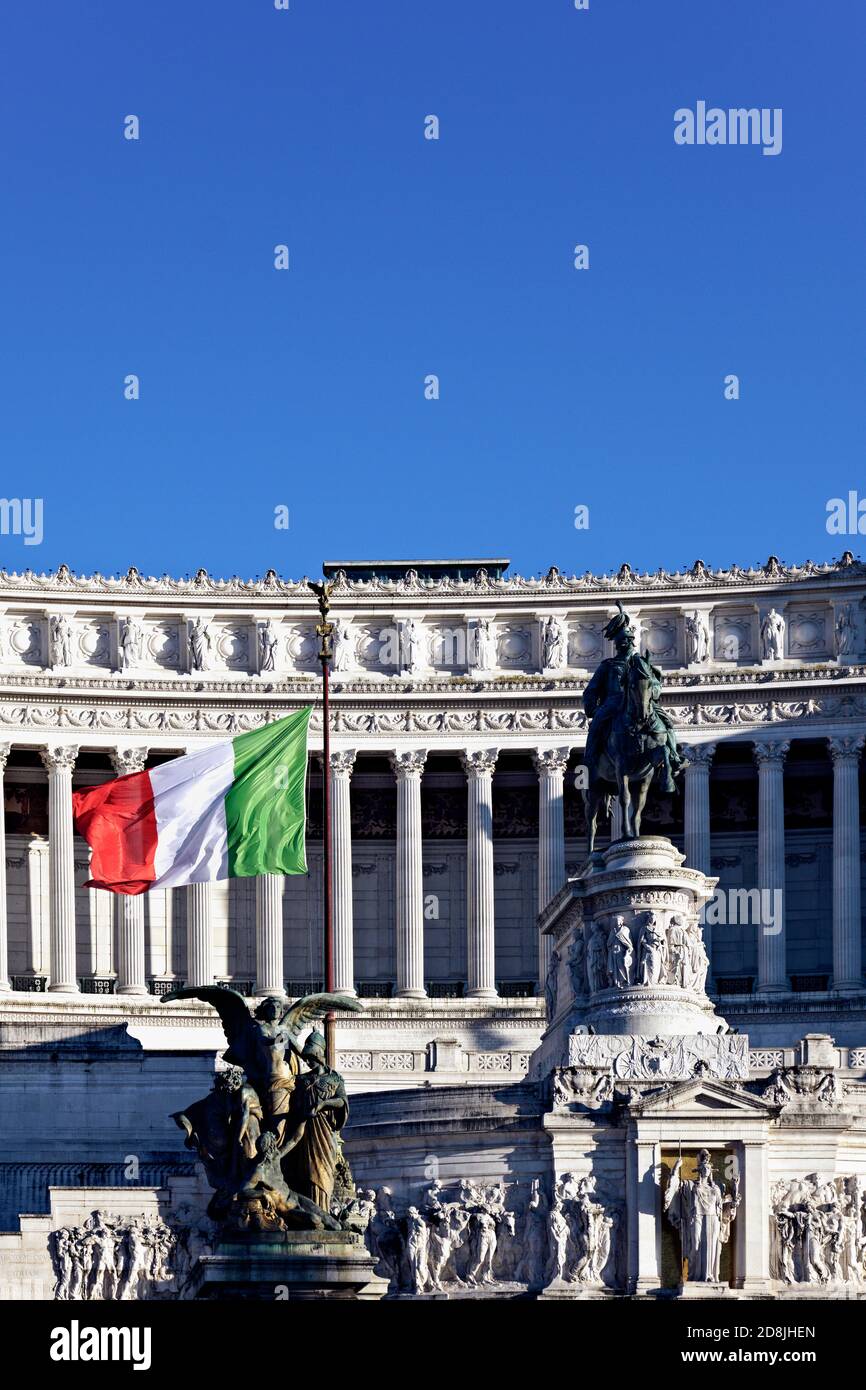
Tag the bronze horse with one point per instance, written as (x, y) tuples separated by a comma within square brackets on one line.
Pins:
[(634, 753)]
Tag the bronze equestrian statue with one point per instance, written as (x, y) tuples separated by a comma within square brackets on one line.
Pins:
[(630, 738)]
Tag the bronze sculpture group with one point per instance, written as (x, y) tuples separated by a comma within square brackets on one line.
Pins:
[(630, 739), (267, 1134)]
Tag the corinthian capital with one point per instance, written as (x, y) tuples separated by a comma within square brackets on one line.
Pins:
[(408, 762), (5, 750), (698, 754), (127, 760), (59, 757), (479, 762), (771, 753), (846, 749), (549, 760), (343, 761)]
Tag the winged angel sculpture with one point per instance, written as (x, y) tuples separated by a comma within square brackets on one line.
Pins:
[(267, 1132)]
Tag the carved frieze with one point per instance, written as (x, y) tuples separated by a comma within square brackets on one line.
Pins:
[(723, 1056), (110, 1257), (817, 1226)]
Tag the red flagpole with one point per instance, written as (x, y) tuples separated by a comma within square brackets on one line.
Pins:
[(325, 630)]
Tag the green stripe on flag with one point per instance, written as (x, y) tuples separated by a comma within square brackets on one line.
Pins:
[(265, 805)]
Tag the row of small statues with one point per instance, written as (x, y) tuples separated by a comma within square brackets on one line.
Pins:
[(819, 1230), (482, 652), (697, 635), (476, 1234), (609, 953)]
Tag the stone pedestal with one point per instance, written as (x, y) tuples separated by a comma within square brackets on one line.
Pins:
[(291, 1267), (628, 973)]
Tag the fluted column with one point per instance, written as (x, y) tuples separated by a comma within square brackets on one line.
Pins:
[(59, 761), (697, 818), (697, 805), (342, 763), (5, 985), (772, 973), (129, 911), (199, 935), (550, 764), (847, 949), (478, 763), (408, 766), (270, 975)]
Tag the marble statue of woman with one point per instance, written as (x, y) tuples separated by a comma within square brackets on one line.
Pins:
[(417, 1249), (61, 640), (696, 962), (652, 951), (342, 644), (485, 645), (268, 643), (678, 950), (553, 654), (697, 638), (703, 1211), (199, 645), (411, 645), (844, 631)]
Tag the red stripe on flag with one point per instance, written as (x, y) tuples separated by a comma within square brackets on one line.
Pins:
[(118, 821)]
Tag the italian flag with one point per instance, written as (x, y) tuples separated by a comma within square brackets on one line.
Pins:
[(232, 810)]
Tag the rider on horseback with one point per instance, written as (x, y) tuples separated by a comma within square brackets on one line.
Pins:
[(605, 695)]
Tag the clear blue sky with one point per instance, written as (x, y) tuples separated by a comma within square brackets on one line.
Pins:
[(304, 388)]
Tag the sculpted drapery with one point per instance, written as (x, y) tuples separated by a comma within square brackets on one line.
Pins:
[(703, 1211)]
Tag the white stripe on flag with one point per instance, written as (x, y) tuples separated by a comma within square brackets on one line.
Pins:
[(189, 799)]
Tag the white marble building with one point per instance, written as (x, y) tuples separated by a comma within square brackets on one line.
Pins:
[(457, 727), (447, 722)]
